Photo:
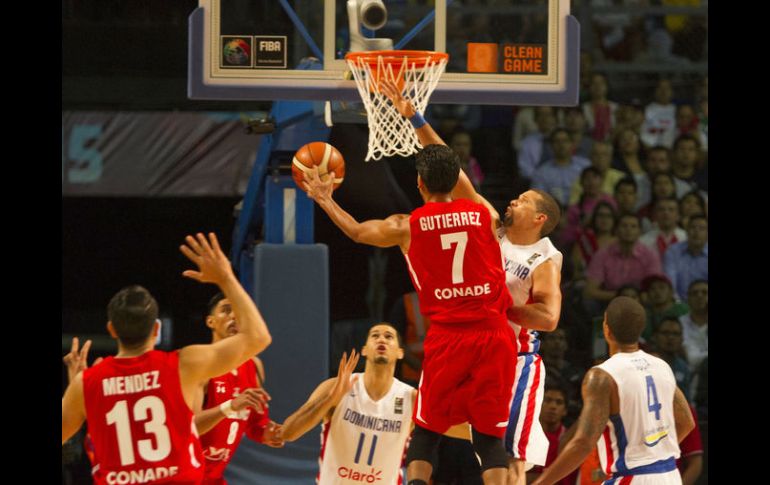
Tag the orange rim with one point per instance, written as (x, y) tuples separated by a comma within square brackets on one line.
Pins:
[(419, 58)]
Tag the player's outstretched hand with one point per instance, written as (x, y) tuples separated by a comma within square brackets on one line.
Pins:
[(213, 265), (273, 435), (253, 397), (403, 105), (344, 383), (77, 359), (319, 188)]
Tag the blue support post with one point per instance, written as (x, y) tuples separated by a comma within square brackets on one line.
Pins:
[(288, 212)]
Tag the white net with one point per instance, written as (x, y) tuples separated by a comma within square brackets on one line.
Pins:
[(389, 132)]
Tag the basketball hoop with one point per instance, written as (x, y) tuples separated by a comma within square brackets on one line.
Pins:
[(416, 73)]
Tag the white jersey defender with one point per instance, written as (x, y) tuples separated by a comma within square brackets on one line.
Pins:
[(641, 441), (525, 439), (365, 440)]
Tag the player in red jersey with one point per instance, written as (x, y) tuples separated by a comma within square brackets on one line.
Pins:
[(139, 403), (232, 404), (533, 275), (456, 266)]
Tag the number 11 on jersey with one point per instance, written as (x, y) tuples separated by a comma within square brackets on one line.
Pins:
[(360, 447)]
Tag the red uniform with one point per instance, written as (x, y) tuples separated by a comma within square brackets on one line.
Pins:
[(221, 441), (140, 425), (456, 266)]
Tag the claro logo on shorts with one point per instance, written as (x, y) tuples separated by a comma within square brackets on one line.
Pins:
[(363, 477)]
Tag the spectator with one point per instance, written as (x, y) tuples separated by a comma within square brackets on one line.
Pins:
[(667, 340), (601, 158), (552, 419), (687, 175), (658, 297), (626, 196), (599, 233), (659, 116), (666, 232), (691, 204), (625, 262), (556, 176), (662, 188), (461, 143), (553, 348), (599, 111), (534, 147), (575, 123), (695, 324), (578, 214), (688, 261)]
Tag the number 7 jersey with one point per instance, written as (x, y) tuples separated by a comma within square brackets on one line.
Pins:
[(365, 440), (455, 263), (141, 428)]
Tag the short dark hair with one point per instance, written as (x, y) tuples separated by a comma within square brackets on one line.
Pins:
[(133, 312), (630, 216), (686, 137), (398, 334), (626, 319), (657, 202), (551, 208), (213, 302), (599, 205), (626, 181), (694, 193), (669, 318), (555, 384), (438, 167), (558, 130), (592, 170)]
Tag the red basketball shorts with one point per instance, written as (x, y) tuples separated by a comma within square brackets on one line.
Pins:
[(467, 375)]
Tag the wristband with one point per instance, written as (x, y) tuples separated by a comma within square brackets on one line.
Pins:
[(227, 409), (417, 120)]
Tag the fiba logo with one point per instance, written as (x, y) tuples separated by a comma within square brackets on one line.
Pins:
[(236, 52)]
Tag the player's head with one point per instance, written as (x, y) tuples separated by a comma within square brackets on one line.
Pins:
[(438, 168), (133, 314), (534, 206), (220, 317), (624, 321), (383, 344), (554, 403), (698, 296), (668, 335)]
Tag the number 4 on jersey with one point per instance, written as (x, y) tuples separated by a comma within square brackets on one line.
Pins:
[(653, 405)]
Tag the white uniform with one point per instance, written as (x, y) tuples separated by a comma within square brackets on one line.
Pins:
[(365, 441), (525, 438), (641, 441)]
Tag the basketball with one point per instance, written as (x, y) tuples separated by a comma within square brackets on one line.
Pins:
[(325, 156)]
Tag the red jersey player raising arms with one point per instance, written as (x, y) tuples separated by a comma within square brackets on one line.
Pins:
[(139, 403), (225, 415), (533, 275), (455, 263)]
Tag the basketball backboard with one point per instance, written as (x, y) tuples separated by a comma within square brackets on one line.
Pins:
[(500, 51)]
